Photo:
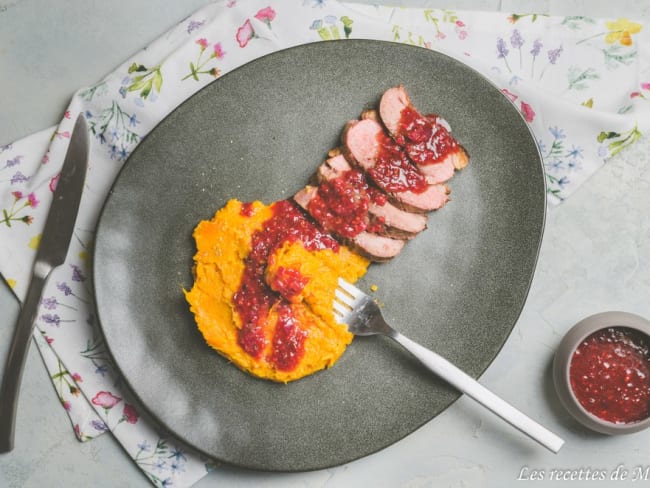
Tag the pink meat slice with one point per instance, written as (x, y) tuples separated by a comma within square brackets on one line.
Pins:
[(375, 247), (393, 102), (407, 224), (361, 141)]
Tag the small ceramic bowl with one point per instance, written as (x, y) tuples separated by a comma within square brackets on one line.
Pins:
[(562, 363)]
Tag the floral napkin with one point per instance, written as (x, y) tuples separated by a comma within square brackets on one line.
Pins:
[(582, 84)]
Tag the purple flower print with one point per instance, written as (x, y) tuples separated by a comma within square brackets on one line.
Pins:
[(77, 274), (537, 47), (516, 40), (51, 319), (503, 51), (50, 303), (194, 25), (18, 177), (63, 287), (99, 426), (554, 54), (13, 162)]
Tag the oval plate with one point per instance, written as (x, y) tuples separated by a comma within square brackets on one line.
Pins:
[(259, 132)]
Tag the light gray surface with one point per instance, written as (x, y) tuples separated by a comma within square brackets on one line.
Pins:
[(595, 256)]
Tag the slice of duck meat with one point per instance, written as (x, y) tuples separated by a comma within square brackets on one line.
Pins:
[(426, 140), (375, 247), (388, 166), (385, 218)]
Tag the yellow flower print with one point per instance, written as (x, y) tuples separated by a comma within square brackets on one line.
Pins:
[(621, 31)]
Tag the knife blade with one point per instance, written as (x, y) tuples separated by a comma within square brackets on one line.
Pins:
[(51, 253)]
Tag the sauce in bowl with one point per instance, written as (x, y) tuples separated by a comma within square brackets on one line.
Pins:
[(601, 372), (609, 374)]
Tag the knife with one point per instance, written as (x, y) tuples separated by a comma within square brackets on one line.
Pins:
[(52, 250)]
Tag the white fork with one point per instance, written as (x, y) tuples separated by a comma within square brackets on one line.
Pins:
[(363, 317)]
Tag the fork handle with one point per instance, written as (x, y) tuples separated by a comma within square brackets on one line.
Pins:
[(472, 388)]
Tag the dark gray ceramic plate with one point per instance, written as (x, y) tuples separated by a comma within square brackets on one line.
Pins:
[(259, 132)]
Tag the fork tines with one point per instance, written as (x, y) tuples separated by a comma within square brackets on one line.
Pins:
[(347, 296)]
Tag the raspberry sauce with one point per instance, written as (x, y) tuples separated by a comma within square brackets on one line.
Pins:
[(425, 140), (610, 375), (254, 298)]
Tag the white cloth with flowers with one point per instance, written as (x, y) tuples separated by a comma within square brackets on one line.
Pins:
[(582, 84)]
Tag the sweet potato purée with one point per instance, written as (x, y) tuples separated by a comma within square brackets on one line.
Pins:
[(264, 285)]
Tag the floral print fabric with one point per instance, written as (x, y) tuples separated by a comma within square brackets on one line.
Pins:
[(582, 85)]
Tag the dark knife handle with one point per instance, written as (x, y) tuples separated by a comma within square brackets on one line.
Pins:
[(15, 365)]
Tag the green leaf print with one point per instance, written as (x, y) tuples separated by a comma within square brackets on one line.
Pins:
[(579, 78), (619, 141), (617, 55), (144, 83)]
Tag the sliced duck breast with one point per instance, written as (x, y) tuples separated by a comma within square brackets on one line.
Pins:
[(395, 222), (426, 140), (375, 247), (366, 143)]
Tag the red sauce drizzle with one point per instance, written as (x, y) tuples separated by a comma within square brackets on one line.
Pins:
[(393, 171), (610, 375), (246, 209), (288, 282), (425, 141), (377, 196), (341, 204), (254, 298), (288, 346)]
